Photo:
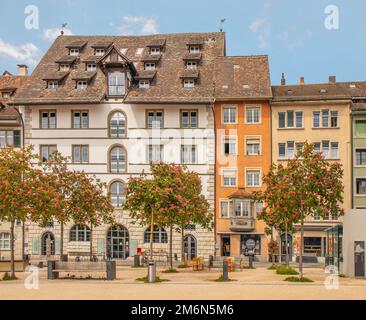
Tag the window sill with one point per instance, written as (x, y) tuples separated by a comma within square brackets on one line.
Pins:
[(325, 128), (294, 128)]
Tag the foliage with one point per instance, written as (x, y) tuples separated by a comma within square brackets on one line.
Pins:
[(221, 279), (8, 277), (296, 279), (146, 280), (170, 271), (284, 269)]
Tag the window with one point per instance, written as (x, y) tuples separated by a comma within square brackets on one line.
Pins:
[(360, 157), (189, 119), (52, 85), (290, 119), (64, 67), (299, 117), (229, 115), (282, 150), (154, 51), (242, 209), (117, 125), (80, 233), (282, 119), (155, 119), (253, 178), (144, 84), (74, 52), (334, 119), (99, 52), (117, 192), (360, 127), (150, 66), (224, 209), (191, 65), (361, 185), (91, 67), (80, 119), (159, 235), (257, 240), (194, 49), (325, 118), (188, 83), (47, 151), (48, 119), (230, 146), (117, 158), (80, 153), (253, 115), (5, 241), (325, 149), (9, 138), (253, 146), (316, 119), (317, 147), (116, 83), (334, 150), (299, 147), (5, 95), (189, 154), (228, 177), (155, 153), (81, 85), (290, 149)]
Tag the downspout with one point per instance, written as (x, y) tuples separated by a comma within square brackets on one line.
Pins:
[(215, 151), (352, 159)]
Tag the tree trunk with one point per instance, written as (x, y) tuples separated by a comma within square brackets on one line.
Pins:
[(91, 243), (286, 243), (183, 258), (171, 247), (12, 259), (151, 235), (62, 240), (301, 245), (272, 253)]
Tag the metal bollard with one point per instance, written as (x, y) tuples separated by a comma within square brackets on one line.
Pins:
[(136, 261), (210, 261), (151, 272), (225, 271)]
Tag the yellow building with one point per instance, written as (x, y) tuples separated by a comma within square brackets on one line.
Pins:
[(319, 114)]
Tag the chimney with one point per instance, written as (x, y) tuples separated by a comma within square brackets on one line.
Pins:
[(302, 80), (22, 70), (332, 79), (283, 80)]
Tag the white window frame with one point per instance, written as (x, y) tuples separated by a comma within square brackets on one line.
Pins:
[(247, 107), (150, 66), (192, 154), (4, 239), (154, 148), (74, 52), (191, 65), (259, 177), (229, 173), (194, 49), (64, 67), (355, 187), (188, 83), (91, 67), (52, 85), (228, 203), (223, 144), (155, 51), (81, 85), (99, 52), (246, 139), (144, 84), (229, 107)]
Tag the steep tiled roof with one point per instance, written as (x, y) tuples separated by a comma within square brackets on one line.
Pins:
[(242, 77), (319, 91), (167, 86), (11, 83)]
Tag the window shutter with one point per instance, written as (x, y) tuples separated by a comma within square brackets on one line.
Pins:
[(100, 247), (17, 139), (35, 247)]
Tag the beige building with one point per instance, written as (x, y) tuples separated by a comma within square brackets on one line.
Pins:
[(320, 114)]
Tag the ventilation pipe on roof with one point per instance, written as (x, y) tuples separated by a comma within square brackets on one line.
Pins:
[(332, 79), (302, 80), (283, 79)]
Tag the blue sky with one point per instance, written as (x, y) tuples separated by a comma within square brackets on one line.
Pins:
[(292, 33)]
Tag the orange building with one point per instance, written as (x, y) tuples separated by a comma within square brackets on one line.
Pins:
[(243, 152)]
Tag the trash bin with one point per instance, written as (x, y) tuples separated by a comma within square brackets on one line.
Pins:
[(136, 261), (151, 274)]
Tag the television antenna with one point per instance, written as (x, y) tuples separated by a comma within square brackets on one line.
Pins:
[(222, 21)]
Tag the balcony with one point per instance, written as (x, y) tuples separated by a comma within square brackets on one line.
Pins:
[(242, 224)]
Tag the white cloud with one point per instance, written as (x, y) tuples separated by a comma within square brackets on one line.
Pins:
[(26, 53), (293, 38), (138, 25), (263, 28), (53, 33)]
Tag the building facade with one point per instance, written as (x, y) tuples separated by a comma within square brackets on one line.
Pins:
[(243, 152)]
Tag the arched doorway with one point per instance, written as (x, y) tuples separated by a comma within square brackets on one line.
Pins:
[(283, 246), (48, 244), (118, 243), (190, 247)]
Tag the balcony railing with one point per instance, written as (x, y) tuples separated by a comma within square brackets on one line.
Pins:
[(242, 224)]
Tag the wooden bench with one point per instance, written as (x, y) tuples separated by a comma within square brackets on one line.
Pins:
[(55, 267)]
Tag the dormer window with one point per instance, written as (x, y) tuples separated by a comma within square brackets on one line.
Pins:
[(99, 52), (5, 95), (155, 51), (116, 83), (74, 52), (81, 85), (191, 65), (149, 66), (194, 49), (91, 67), (52, 85), (64, 67), (144, 84), (188, 83)]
